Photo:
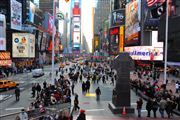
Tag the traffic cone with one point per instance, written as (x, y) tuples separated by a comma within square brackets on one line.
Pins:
[(124, 111)]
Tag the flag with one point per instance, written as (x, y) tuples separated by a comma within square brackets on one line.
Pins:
[(150, 3), (159, 10)]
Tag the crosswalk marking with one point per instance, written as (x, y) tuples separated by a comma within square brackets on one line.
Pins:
[(17, 108), (89, 110)]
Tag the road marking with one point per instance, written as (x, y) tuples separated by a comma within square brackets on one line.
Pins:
[(143, 110), (95, 110), (133, 103), (18, 108), (90, 95)]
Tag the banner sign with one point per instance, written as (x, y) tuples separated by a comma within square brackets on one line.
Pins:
[(118, 18), (121, 38), (2, 32), (16, 15), (145, 53), (23, 45)]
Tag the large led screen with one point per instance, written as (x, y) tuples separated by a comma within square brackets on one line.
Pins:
[(145, 53), (132, 30)]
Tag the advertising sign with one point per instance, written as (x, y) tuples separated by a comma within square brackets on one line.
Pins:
[(2, 32), (35, 14), (23, 45), (50, 23), (121, 38), (76, 37), (77, 27), (132, 33), (145, 53), (114, 41), (5, 56), (76, 19), (31, 46), (118, 18), (16, 15), (32, 10), (43, 42)]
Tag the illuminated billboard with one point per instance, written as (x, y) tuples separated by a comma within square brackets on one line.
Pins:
[(23, 45), (76, 37), (132, 28), (145, 53), (2, 32)]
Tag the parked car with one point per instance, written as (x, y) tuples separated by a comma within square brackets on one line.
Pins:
[(7, 84), (37, 72)]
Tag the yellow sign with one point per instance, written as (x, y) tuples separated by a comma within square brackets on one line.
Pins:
[(121, 39)]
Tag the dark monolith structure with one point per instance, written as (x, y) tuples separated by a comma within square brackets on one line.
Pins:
[(121, 93)]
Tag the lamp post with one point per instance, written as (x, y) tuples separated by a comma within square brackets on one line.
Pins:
[(52, 70), (166, 43)]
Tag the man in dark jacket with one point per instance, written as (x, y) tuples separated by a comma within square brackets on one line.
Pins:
[(154, 106), (149, 107), (17, 93), (98, 93), (82, 115)]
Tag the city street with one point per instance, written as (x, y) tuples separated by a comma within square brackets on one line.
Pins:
[(25, 81), (94, 110)]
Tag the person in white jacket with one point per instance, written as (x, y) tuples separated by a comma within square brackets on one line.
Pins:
[(23, 115)]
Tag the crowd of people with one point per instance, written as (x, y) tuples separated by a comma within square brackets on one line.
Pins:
[(159, 96)]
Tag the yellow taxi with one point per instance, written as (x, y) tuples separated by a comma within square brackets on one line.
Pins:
[(6, 84), (61, 65)]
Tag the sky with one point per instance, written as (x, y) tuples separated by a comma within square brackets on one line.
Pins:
[(86, 20)]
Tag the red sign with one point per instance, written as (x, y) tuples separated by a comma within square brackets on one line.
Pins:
[(5, 62), (114, 31), (5, 56), (50, 23), (76, 11)]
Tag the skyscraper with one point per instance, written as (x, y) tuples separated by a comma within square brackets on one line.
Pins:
[(102, 12)]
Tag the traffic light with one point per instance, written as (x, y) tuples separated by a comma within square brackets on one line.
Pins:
[(67, 0)]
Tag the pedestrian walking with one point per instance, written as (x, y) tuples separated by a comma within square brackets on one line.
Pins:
[(38, 89), (98, 93), (139, 106), (17, 93), (23, 115), (87, 85), (162, 106), (72, 87), (33, 89), (154, 107), (149, 107), (82, 115), (169, 107), (76, 103), (177, 87), (83, 87), (112, 81), (44, 84)]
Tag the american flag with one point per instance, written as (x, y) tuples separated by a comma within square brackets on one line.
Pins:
[(150, 3)]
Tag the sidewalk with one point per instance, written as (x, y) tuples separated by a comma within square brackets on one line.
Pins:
[(171, 82)]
